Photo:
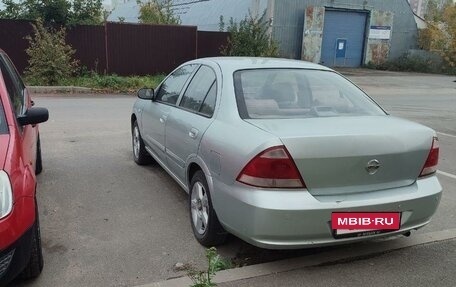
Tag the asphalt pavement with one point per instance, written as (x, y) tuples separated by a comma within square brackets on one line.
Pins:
[(108, 222), (419, 266)]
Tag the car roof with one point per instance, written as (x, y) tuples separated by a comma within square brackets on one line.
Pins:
[(240, 63)]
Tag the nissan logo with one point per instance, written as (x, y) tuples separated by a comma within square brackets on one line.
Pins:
[(373, 166)]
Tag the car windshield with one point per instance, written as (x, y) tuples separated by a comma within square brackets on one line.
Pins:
[(3, 126), (299, 93)]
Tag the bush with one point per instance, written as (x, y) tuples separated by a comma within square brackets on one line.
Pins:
[(407, 63), (113, 83), (411, 63), (50, 58), (249, 38)]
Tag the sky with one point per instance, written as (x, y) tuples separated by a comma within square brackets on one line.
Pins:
[(106, 2)]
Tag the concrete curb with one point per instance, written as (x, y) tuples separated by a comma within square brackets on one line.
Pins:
[(58, 90), (315, 259)]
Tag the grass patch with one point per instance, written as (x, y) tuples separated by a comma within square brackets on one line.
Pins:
[(107, 83)]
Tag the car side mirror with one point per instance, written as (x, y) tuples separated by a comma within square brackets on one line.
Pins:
[(146, 94), (33, 116)]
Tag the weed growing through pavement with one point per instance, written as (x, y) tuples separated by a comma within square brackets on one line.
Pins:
[(215, 263)]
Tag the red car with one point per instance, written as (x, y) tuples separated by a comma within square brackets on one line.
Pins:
[(20, 161)]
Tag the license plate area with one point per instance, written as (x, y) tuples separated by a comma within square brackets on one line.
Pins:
[(358, 224)]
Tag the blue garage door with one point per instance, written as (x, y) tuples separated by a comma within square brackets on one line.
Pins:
[(343, 38)]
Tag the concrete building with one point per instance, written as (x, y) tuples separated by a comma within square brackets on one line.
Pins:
[(331, 32), (203, 13), (419, 7), (420, 22)]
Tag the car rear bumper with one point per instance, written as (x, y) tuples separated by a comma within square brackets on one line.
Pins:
[(288, 219)]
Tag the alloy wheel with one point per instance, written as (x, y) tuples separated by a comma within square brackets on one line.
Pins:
[(136, 143), (199, 208)]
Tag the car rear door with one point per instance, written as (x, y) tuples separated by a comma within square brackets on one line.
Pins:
[(155, 113), (190, 119)]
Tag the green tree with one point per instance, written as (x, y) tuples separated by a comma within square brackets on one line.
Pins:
[(157, 12), (13, 10), (440, 36), (61, 12), (88, 12), (249, 38), (434, 11), (449, 52), (50, 58)]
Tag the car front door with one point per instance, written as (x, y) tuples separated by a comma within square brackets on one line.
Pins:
[(155, 113), (20, 102), (190, 119)]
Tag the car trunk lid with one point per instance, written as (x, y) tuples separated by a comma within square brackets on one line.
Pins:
[(340, 155)]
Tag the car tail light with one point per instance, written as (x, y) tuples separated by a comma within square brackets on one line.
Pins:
[(273, 168), (432, 160)]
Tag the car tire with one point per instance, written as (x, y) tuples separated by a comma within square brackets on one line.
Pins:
[(205, 224), (36, 262), (140, 155), (39, 161)]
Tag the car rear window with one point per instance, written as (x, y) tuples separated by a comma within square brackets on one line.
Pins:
[(3, 125), (299, 93)]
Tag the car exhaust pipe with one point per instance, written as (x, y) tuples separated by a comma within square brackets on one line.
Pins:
[(407, 234)]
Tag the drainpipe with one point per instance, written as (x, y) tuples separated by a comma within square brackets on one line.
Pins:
[(256, 8), (270, 17)]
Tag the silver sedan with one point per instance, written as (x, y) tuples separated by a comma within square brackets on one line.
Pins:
[(285, 154)]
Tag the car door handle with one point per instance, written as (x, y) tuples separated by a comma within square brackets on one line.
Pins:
[(193, 133), (163, 119)]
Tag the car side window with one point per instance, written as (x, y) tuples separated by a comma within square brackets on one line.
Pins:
[(14, 87), (3, 125), (17, 78), (171, 88), (208, 106), (198, 90)]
